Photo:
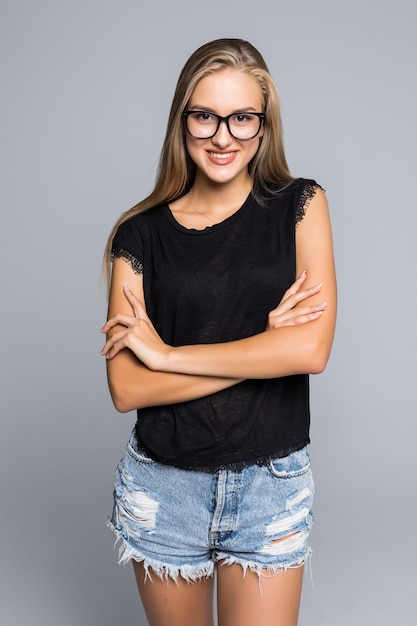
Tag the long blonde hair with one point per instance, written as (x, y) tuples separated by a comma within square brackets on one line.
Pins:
[(176, 171)]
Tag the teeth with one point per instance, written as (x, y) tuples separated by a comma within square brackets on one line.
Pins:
[(225, 155)]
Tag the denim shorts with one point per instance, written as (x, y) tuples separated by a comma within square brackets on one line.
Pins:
[(182, 522)]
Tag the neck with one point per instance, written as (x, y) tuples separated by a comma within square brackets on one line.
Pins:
[(215, 198)]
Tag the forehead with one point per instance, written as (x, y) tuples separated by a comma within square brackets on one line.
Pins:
[(227, 90)]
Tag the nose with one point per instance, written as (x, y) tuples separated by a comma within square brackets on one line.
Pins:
[(222, 136)]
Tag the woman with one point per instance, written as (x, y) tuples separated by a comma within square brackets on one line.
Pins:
[(216, 475)]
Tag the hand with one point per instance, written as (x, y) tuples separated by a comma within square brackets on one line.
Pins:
[(287, 313), (138, 334)]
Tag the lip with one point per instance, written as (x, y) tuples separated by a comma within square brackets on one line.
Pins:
[(224, 158)]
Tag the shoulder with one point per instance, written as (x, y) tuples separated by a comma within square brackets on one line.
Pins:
[(302, 189), (137, 220), (299, 193), (132, 235), (138, 223), (294, 196), (296, 189), (306, 190)]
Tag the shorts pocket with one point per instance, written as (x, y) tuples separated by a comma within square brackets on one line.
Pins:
[(291, 466), (138, 454)]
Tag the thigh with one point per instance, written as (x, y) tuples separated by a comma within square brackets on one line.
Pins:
[(271, 599), (175, 603)]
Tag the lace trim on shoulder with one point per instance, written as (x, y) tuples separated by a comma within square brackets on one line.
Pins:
[(307, 194), (135, 264)]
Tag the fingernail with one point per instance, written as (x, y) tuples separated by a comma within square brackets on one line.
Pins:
[(303, 273), (126, 287)]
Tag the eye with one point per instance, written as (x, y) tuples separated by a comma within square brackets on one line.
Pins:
[(203, 116), (243, 118)]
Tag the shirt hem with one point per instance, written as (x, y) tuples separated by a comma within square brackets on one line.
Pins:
[(236, 466)]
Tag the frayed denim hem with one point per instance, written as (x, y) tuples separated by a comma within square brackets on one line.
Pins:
[(261, 569), (267, 571), (190, 573)]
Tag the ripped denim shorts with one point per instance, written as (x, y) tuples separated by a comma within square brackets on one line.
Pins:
[(181, 522)]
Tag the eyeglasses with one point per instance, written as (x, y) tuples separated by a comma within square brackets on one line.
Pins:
[(204, 124)]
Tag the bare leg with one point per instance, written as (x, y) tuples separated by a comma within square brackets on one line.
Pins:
[(169, 603), (273, 600)]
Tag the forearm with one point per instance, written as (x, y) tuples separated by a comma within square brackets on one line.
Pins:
[(133, 386), (278, 352)]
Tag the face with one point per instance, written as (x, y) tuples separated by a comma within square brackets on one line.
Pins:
[(223, 159)]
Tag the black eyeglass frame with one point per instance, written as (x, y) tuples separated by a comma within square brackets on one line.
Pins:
[(225, 119)]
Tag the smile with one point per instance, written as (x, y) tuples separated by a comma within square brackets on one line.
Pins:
[(222, 158), (221, 155)]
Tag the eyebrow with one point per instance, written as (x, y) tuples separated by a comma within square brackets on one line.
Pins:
[(199, 107)]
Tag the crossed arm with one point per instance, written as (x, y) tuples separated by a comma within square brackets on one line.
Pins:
[(144, 371)]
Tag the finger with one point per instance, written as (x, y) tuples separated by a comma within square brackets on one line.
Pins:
[(119, 318), (300, 280), (106, 349), (294, 288), (291, 314), (298, 297), (296, 285), (117, 342), (289, 302), (294, 321), (302, 310), (309, 317), (134, 301)]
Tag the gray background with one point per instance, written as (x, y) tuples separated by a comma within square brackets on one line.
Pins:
[(85, 91)]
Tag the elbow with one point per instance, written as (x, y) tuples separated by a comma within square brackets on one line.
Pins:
[(120, 405), (121, 399), (318, 357), (318, 366), (124, 391)]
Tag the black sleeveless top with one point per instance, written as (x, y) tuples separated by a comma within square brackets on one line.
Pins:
[(217, 285)]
